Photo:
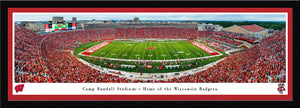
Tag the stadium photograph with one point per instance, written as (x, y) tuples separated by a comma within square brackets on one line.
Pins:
[(149, 48)]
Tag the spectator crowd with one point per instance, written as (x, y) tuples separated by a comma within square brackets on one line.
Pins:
[(237, 36), (47, 58)]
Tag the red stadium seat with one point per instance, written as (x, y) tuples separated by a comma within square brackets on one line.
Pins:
[(43, 58)]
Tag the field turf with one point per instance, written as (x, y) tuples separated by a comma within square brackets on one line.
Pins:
[(161, 50)]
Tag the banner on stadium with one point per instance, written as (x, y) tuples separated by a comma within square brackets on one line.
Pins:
[(46, 27), (73, 25)]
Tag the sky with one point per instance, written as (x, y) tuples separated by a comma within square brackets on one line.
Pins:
[(154, 16)]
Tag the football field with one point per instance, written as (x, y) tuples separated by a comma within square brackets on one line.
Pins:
[(165, 50)]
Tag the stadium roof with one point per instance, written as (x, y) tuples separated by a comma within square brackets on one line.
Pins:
[(252, 28)]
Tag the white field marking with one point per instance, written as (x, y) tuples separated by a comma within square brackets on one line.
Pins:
[(123, 46), (183, 47), (104, 48), (161, 50), (178, 51), (117, 50), (167, 51), (193, 49), (139, 50), (145, 50), (128, 50), (156, 51), (150, 50), (110, 50), (132, 51)]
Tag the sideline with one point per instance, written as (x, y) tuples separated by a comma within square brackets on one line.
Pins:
[(149, 76)]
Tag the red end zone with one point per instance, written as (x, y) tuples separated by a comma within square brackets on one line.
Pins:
[(95, 48), (206, 49)]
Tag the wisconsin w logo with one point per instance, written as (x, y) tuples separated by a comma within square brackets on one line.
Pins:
[(19, 88)]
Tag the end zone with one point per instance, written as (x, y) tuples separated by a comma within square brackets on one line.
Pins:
[(95, 48)]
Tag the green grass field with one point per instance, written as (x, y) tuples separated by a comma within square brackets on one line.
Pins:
[(129, 50), (162, 50)]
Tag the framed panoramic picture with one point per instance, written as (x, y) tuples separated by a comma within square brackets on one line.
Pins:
[(150, 54)]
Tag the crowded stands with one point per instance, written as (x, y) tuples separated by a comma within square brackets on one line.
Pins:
[(158, 32), (47, 58), (225, 40), (236, 36)]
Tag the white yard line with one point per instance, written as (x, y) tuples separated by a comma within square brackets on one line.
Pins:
[(115, 49), (191, 50), (161, 51), (145, 50), (138, 52), (178, 51), (131, 53), (156, 51), (150, 50), (109, 50), (123, 51), (168, 51)]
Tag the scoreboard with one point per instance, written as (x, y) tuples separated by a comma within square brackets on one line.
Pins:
[(60, 26)]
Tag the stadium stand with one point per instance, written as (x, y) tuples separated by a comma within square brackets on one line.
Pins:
[(225, 40), (236, 36), (44, 59)]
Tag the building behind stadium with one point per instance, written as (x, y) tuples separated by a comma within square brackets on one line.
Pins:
[(253, 29)]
